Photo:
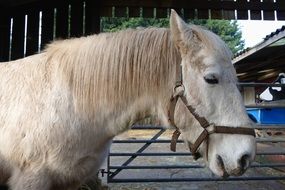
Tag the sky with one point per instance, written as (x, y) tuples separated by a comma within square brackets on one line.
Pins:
[(254, 31)]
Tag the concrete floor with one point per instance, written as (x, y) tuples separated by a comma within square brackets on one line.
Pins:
[(180, 173)]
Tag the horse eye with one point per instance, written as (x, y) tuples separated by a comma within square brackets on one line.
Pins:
[(211, 80)]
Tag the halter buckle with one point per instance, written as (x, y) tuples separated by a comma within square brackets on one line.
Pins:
[(178, 90)]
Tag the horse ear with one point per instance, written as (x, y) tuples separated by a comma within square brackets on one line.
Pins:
[(179, 30)]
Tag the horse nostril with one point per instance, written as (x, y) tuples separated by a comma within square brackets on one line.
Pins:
[(222, 166), (220, 161), (244, 161)]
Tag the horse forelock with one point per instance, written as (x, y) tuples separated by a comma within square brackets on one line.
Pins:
[(207, 50)]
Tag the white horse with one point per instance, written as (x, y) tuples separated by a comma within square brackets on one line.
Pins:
[(60, 109)]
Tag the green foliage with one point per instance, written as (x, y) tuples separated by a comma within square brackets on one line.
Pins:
[(228, 30), (116, 24)]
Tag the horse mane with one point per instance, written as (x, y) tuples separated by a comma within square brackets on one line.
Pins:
[(116, 66), (121, 66)]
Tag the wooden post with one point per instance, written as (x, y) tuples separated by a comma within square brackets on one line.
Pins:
[(92, 17), (18, 36), (32, 45), (249, 95), (4, 36), (47, 26)]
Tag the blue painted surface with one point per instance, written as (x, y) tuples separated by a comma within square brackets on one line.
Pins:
[(267, 116)]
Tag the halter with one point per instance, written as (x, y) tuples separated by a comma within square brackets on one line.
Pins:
[(208, 128)]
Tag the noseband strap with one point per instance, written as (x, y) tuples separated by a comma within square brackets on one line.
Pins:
[(208, 128)]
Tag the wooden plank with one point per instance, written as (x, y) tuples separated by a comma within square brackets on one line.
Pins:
[(196, 4), (189, 13), (216, 13), (92, 17), (4, 37), (18, 36), (62, 21), (106, 12), (76, 18), (228, 13), (268, 15), (242, 14), (203, 14), (161, 12), (120, 12), (280, 14), (47, 26), (255, 14), (134, 11), (148, 12), (32, 44)]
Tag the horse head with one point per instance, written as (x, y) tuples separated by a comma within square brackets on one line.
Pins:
[(210, 88)]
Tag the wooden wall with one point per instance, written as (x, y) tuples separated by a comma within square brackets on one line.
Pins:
[(73, 18)]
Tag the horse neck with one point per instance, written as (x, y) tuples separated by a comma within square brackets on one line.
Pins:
[(107, 85)]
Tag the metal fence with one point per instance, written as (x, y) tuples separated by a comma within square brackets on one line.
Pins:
[(128, 164)]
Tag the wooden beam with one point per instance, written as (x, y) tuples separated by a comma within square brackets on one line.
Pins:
[(92, 16), (47, 26), (4, 37), (243, 13), (255, 14), (32, 33), (134, 11), (62, 14), (18, 37), (253, 67), (76, 18), (266, 43), (199, 4), (268, 14)]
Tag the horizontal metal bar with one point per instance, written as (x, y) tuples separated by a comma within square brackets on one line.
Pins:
[(189, 166), (257, 126), (148, 127), (250, 84), (181, 141), (195, 179), (275, 140), (270, 153), (263, 126), (265, 106), (157, 167), (152, 154), (268, 165), (145, 141), (181, 153)]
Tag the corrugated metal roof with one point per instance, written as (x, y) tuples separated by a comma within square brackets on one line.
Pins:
[(272, 34), (278, 34), (263, 61)]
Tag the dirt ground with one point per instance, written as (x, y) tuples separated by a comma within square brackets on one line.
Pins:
[(183, 173)]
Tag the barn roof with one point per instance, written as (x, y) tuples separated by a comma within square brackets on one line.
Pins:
[(72, 18), (217, 9), (263, 61)]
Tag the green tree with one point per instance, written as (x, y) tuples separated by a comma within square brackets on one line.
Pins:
[(229, 31)]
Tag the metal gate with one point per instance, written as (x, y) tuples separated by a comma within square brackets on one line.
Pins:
[(143, 150)]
